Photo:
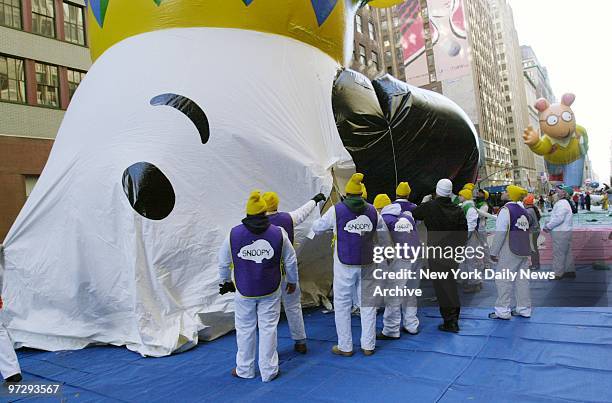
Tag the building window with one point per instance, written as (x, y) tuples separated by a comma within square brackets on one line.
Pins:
[(74, 79), (359, 23), (30, 182), (47, 85), (10, 13), (362, 55), (12, 79), (74, 29), (371, 31), (43, 18), (375, 59)]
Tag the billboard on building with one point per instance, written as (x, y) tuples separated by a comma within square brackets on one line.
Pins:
[(413, 43), (447, 24)]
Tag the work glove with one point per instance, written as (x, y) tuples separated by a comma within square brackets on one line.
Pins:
[(319, 198), (226, 287)]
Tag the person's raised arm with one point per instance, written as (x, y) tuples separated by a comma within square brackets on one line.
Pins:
[(325, 223), (300, 214)]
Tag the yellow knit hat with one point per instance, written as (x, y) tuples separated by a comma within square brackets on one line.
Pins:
[(381, 201), (354, 185), (486, 194), (470, 186), (515, 193), (271, 199), (364, 192), (256, 204), (403, 189), (466, 193)]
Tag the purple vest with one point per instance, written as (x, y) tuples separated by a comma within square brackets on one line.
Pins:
[(257, 260), (283, 220), (519, 230), (403, 230), (406, 205), (355, 235)]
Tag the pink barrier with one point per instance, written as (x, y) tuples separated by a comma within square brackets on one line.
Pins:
[(589, 245)]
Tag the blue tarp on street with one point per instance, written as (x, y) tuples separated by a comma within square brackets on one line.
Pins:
[(560, 354)]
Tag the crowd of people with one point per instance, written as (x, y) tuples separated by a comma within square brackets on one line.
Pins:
[(258, 262)]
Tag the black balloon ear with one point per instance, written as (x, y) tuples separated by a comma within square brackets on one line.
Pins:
[(148, 190)]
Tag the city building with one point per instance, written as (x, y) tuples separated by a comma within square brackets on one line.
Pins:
[(464, 68), (515, 100), (367, 54), (43, 58), (391, 44), (537, 73)]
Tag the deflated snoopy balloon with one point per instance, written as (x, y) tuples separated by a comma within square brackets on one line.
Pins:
[(189, 105), (564, 144)]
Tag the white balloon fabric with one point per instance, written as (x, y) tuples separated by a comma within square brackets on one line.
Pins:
[(82, 266)]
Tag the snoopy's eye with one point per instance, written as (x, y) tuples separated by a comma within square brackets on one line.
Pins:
[(552, 120), (148, 190), (567, 116)]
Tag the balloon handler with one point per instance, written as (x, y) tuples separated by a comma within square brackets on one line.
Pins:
[(357, 228), (256, 250), (292, 302), (564, 144), (510, 251)]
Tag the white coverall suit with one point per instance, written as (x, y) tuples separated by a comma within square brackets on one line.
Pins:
[(474, 265), (392, 318), (513, 263), (560, 225), (347, 285), (253, 313), (293, 302), (9, 365), (484, 214)]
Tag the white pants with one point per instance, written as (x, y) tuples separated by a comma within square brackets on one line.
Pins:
[(251, 314), (474, 266), (347, 284), (292, 303), (392, 318), (563, 260), (488, 263), (9, 365), (505, 288)]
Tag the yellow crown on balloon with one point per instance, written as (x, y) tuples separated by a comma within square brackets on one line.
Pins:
[(320, 23)]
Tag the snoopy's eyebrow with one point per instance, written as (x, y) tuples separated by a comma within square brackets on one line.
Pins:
[(189, 108)]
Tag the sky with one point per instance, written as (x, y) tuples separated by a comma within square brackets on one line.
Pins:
[(572, 39)]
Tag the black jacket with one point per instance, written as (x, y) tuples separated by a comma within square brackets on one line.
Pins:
[(445, 222)]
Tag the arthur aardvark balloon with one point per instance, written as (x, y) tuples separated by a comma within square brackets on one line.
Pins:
[(190, 105), (564, 144)]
